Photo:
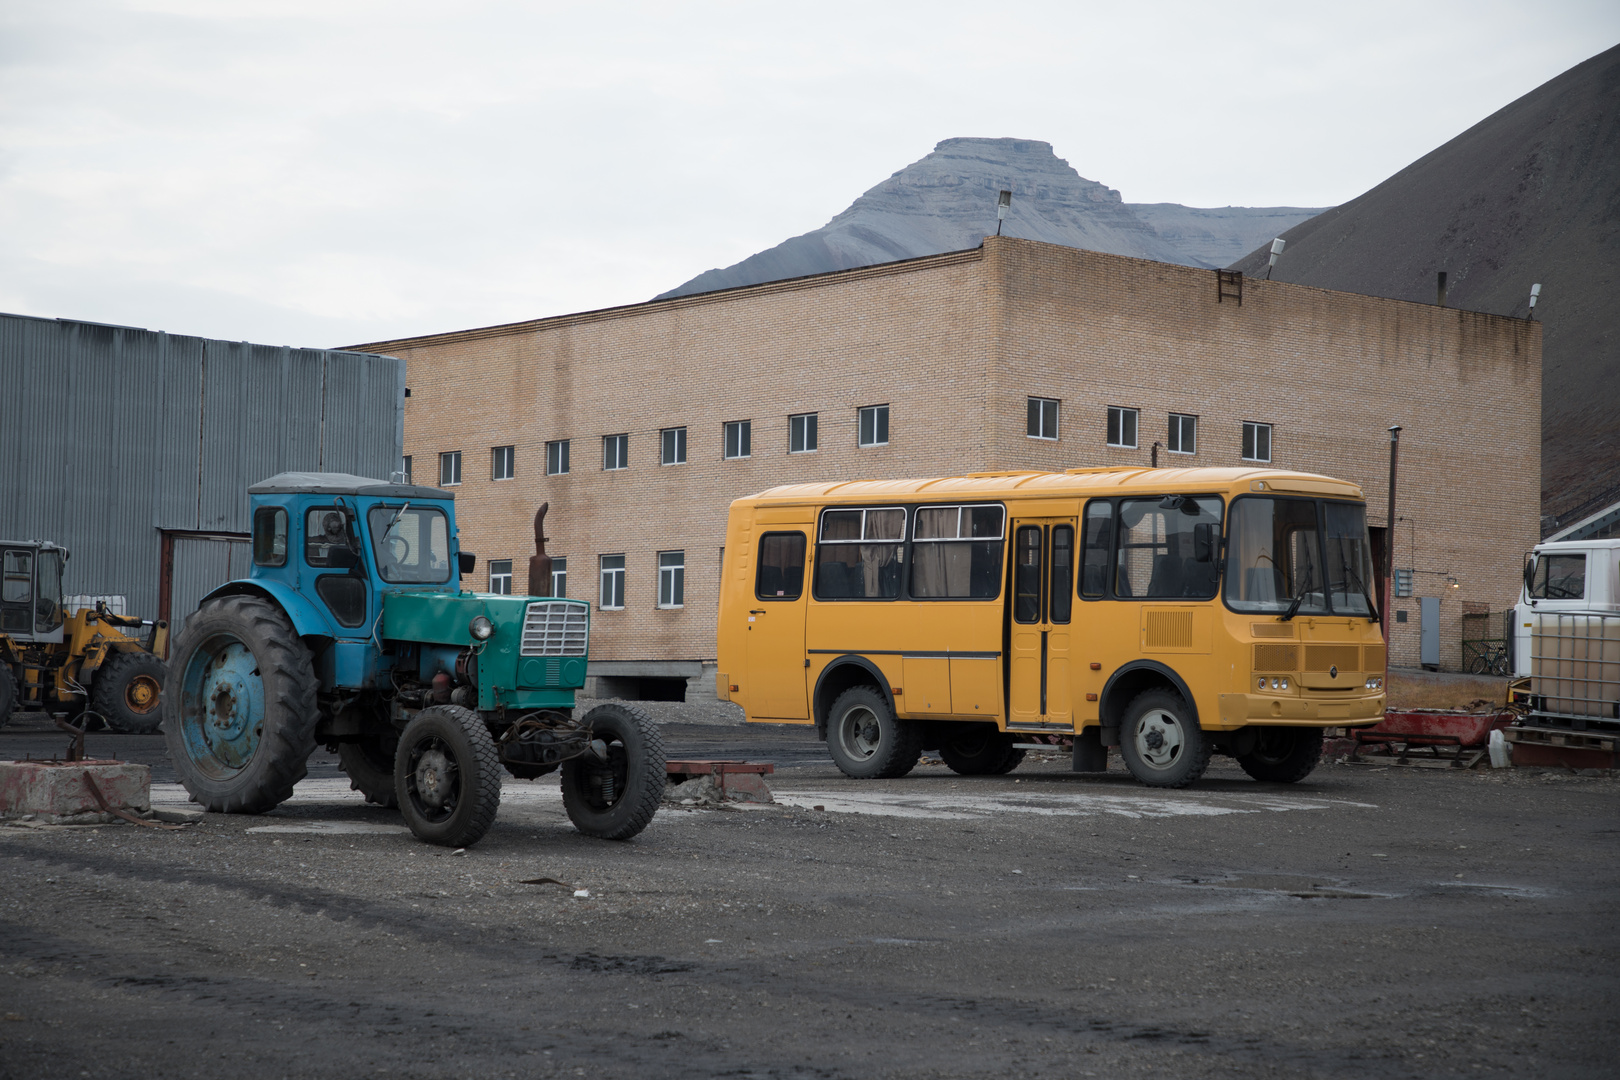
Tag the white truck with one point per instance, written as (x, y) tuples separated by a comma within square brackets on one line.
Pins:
[(1566, 635)]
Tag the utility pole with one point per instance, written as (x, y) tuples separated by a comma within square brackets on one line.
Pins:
[(1389, 537)]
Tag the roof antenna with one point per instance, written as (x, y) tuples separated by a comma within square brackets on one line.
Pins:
[(1003, 203), (1277, 246)]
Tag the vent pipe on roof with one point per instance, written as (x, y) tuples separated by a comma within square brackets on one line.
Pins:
[(1440, 290), (1535, 294), (1003, 204), (1277, 246)]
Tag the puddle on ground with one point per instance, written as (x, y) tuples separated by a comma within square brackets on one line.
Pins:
[(1305, 888), (331, 827)]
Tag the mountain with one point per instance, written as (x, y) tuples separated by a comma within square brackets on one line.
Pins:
[(947, 202), (1529, 194)]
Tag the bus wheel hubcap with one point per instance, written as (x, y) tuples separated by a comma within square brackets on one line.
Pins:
[(1158, 739)]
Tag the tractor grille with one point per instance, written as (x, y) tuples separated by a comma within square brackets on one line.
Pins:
[(556, 628)]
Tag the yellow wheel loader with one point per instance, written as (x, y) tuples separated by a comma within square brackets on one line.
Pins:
[(93, 662)]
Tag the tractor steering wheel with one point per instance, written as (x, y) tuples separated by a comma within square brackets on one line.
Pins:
[(399, 549)]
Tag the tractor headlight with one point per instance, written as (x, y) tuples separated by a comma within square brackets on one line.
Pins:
[(1375, 682), (481, 628)]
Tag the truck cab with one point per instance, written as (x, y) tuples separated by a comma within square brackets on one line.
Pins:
[(1564, 577)]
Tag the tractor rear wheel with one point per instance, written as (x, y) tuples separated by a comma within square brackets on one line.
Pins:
[(240, 711), (616, 798), (128, 692), (369, 763), (448, 776)]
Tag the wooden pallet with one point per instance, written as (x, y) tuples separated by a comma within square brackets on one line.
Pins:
[(1574, 740)]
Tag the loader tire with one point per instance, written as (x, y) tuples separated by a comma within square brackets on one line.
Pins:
[(240, 714), (616, 799), (8, 693), (128, 692)]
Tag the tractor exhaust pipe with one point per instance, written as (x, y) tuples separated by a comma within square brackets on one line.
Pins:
[(540, 562)]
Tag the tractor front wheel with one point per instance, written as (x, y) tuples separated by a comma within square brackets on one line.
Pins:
[(239, 715), (128, 692), (448, 776), (613, 790)]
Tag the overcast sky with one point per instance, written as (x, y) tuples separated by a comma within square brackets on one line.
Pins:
[(339, 171)]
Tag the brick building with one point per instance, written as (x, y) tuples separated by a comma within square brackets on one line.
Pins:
[(640, 424)]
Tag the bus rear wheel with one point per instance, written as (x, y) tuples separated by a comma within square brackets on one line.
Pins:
[(1160, 741), (867, 741), (980, 750), (1283, 755)]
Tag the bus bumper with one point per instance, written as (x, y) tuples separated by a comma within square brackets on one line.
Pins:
[(1240, 709)]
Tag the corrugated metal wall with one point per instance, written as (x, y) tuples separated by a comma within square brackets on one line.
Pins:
[(202, 564), (110, 435)]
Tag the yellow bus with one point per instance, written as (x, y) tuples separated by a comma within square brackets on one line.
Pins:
[(1170, 613)]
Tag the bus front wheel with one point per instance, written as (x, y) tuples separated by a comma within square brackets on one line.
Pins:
[(1161, 742), (867, 741)]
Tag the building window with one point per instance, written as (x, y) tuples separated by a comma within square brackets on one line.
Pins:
[(557, 458), (1122, 427), (1183, 434), (802, 433), (1043, 418), (1256, 441), (559, 576), (671, 579), (450, 469), (612, 582), (500, 463), (615, 452), (500, 576), (739, 438), (408, 468), (672, 450), (874, 426)]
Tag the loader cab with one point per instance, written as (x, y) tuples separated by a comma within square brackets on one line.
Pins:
[(340, 542), (31, 590)]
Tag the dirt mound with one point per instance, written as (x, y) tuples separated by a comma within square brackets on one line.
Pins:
[(1529, 194)]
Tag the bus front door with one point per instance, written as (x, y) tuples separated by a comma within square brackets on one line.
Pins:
[(776, 668), (1039, 696)]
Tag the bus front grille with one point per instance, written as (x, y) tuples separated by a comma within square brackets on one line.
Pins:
[(1276, 657), (1325, 657)]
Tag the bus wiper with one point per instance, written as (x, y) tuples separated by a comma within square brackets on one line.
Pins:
[(1299, 597), (1372, 609)]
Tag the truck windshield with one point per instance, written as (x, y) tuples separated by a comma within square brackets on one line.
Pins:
[(1274, 557), (412, 544), (1559, 577)]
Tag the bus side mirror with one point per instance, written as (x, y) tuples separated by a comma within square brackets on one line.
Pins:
[(466, 562), (1206, 541)]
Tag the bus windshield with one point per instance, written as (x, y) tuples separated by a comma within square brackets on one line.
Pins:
[(1307, 556)]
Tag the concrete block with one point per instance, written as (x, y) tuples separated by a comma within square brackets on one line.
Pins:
[(54, 792)]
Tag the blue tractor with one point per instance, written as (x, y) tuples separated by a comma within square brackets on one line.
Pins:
[(352, 631)]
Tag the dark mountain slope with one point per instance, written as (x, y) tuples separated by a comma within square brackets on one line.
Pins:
[(1529, 194)]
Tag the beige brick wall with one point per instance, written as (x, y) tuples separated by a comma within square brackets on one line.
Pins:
[(955, 345)]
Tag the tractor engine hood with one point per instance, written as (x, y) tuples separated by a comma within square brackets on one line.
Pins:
[(446, 618)]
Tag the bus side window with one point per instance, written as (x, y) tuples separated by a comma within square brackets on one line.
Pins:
[(781, 566), (1027, 574), (1099, 538)]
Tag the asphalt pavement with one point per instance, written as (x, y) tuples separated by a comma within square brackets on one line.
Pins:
[(1371, 921)]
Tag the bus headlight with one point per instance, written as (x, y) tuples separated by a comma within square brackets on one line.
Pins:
[(481, 628), (1375, 682)]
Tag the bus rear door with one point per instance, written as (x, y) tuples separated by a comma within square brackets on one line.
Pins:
[(776, 671)]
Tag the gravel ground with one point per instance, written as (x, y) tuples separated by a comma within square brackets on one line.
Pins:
[(1371, 921)]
